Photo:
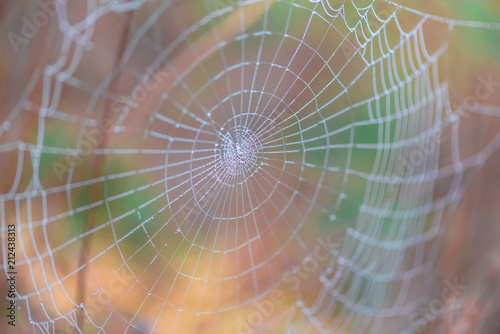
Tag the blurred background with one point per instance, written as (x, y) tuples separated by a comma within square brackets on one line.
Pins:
[(229, 166)]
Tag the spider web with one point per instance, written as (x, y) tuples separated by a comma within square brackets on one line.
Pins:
[(177, 166)]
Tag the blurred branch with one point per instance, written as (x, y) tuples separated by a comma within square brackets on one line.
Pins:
[(98, 169)]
